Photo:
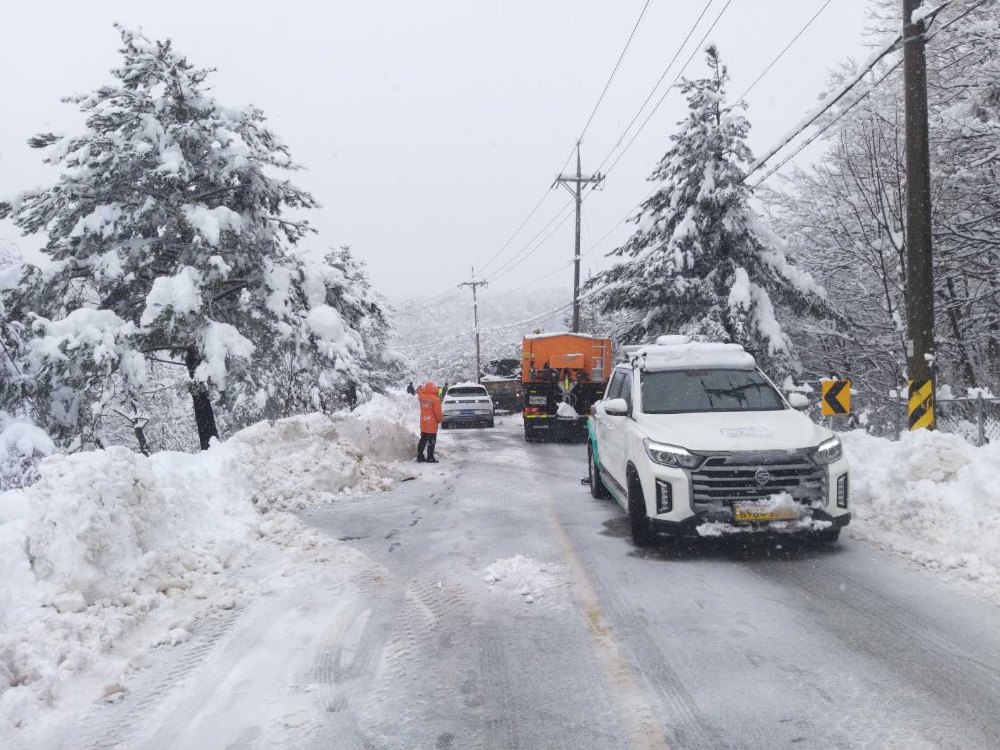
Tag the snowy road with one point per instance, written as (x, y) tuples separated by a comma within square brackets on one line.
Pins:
[(701, 645)]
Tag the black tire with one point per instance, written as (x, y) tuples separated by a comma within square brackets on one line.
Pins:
[(639, 524), (491, 423), (597, 489)]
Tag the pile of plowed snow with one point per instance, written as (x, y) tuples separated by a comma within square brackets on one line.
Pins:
[(108, 540), (932, 498)]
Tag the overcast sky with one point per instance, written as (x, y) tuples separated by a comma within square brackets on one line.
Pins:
[(430, 129)]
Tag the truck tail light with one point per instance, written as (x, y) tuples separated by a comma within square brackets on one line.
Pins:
[(531, 410), (664, 496)]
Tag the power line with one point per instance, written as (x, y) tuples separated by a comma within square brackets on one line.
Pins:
[(615, 70), (826, 127), (526, 220), (652, 91), (782, 53), (827, 104), (875, 85), (590, 119), (513, 261), (670, 88)]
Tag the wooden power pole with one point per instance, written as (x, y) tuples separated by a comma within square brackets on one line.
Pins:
[(475, 313), (919, 266), (578, 180)]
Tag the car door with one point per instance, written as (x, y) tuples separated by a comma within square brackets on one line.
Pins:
[(613, 450), (601, 419)]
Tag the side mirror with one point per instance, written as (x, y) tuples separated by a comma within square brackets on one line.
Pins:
[(798, 401), (615, 407)]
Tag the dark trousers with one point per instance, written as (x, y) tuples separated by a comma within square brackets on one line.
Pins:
[(428, 439)]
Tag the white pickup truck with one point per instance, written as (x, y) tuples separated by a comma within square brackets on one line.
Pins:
[(692, 438)]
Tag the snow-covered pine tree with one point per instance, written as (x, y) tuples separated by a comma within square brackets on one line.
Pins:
[(166, 220), (350, 292), (701, 263)]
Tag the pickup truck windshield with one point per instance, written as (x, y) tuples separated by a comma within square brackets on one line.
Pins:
[(683, 391)]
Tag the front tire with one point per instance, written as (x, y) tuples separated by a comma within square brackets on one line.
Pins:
[(639, 523), (597, 489)]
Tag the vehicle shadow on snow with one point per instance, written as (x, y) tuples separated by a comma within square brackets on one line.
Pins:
[(744, 547)]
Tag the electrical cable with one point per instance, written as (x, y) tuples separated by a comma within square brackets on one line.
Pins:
[(782, 53), (614, 71), (669, 88)]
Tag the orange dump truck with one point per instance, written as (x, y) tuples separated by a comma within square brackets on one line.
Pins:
[(563, 375)]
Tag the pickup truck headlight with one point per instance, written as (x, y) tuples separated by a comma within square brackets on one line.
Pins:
[(671, 455), (828, 451)]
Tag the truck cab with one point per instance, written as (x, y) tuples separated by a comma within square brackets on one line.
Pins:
[(692, 438)]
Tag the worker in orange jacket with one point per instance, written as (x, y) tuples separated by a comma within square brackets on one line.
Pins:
[(430, 418)]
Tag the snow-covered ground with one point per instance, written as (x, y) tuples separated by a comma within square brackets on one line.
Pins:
[(112, 555), (524, 576), (933, 499)]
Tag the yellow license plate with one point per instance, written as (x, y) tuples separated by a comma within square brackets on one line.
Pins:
[(757, 513)]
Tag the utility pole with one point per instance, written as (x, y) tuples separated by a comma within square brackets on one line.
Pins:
[(579, 180), (919, 257), (475, 313)]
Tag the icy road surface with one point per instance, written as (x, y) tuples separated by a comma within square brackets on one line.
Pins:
[(503, 607)]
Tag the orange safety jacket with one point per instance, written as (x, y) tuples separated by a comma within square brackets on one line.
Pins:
[(430, 408)]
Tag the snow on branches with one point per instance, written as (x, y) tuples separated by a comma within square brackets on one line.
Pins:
[(700, 262), (168, 241)]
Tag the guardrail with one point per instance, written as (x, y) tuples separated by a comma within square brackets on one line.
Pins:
[(976, 418)]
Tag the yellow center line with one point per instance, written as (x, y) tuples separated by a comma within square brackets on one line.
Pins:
[(638, 715)]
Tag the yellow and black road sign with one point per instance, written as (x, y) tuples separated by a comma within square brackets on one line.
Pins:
[(921, 405), (836, 398)]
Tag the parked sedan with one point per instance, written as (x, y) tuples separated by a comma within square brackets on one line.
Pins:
[(467, 405)]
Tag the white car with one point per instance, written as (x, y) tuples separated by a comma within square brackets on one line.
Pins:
[(467, 404), (692, 438)]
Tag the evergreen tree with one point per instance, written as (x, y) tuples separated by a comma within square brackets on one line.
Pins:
[(351, 293), (167, 221), (701, 263)]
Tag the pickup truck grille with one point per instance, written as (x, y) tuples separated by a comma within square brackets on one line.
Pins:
[(721, 480)]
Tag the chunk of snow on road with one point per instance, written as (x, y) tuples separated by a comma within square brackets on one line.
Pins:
[(524, 576)]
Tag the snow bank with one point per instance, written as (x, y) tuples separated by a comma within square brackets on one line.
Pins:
[(108, 540), (932, 498), (524, 576), (312, 460)]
